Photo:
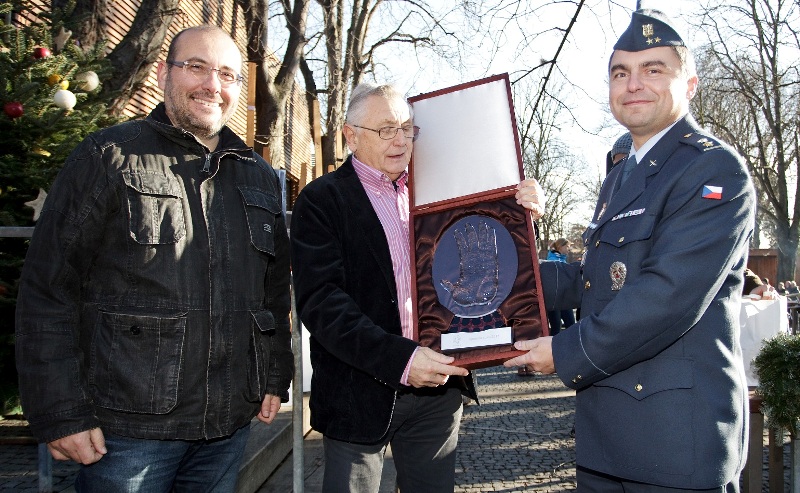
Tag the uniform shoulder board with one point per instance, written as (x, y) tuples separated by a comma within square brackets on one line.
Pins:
[(702, 142)]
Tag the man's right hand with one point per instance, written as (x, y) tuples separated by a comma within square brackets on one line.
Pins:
[(86, 447), (531, 196), (431, 369)]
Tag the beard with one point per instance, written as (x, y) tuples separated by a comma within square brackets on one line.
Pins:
[(203, 126)]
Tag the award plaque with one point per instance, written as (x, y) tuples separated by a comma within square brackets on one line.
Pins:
[(475, 281)]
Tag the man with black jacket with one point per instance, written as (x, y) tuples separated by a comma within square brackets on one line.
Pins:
[(373, 385), (152, 318)]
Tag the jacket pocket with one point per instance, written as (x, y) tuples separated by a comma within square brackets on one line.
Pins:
[(136, 362), (262, 209), (258, 355), (155, 208), (650, 403)]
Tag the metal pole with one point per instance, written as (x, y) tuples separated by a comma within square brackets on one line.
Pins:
[(45, 469), (298, 455)]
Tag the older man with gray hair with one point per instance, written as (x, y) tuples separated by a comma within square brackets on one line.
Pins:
[(373, 385)]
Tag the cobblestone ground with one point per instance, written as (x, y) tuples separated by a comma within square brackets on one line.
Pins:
[(19, 473), (518, 439)]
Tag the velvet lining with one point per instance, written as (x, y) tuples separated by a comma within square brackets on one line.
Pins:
[(520, 310)]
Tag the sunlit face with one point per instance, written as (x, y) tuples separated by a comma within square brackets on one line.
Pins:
[(648, 91), (389, 156), (202, 105)]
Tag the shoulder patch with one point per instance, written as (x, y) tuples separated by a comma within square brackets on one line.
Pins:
[(702, 142)]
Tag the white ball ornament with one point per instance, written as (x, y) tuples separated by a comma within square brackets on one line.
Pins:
[(64, 99), (88, 80)]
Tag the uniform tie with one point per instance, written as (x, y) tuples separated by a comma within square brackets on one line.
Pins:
[(630, 163)]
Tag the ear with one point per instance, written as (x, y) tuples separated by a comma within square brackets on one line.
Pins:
[(161, 74), (693, 84), (350, 137)]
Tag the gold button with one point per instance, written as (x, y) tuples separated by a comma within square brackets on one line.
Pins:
[(597, 244), (621, 239), (638, 387), (587, 285)]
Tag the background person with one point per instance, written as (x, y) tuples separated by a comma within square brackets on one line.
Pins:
[(559, 319), (619, 151), (372, 384), (661, 402), (152, 319)]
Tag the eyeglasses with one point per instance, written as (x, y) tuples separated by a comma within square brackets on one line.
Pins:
[(388, 133), (201, 71)]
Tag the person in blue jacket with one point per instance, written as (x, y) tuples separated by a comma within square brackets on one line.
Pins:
[(661, 396), (559, 319)]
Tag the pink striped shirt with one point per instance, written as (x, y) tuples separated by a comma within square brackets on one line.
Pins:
[(391, 206)]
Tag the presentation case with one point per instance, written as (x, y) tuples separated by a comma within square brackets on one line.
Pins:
[(475, 281)]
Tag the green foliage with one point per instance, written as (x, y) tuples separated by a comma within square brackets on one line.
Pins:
[(34, 146), (778, 368)]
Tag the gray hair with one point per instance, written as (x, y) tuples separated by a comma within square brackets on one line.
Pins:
[(356, 109)]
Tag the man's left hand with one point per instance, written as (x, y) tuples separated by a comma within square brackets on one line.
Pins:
[(269, 408), (538, 358)]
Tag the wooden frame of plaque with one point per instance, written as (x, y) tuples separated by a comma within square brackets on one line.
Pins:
[(475, 277)]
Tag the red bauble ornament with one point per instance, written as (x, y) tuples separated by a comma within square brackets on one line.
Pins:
[(13, 109), (41, 52)]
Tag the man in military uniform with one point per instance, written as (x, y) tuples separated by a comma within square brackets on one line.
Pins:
[(661, 400)]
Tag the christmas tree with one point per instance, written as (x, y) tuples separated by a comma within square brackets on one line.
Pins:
[(51, 98)]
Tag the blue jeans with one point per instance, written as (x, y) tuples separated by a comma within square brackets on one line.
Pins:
[(134, 465)]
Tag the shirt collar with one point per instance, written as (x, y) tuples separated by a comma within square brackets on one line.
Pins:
[(651, 142), (375, 180)]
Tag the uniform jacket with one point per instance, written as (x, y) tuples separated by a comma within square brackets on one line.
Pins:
[(346, 297), (154, 298), (656, 360)]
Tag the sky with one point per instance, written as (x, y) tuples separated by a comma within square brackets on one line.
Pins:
[(584, 62)]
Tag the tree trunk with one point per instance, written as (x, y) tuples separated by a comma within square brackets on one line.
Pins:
[(134, 56), (272, 94), (787, 239), (87, 21), (334, 24)]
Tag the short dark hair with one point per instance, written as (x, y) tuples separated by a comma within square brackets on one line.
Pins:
[(173, 44)]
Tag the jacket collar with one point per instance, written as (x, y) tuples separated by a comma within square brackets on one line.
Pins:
[(229, 143), (611, 203), (360, 208), (228, 140)]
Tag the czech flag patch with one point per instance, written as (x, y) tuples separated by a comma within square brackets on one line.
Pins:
[(712, 192)]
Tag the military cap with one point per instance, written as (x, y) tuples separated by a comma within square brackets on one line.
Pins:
[(649, 28), (622, 145)]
